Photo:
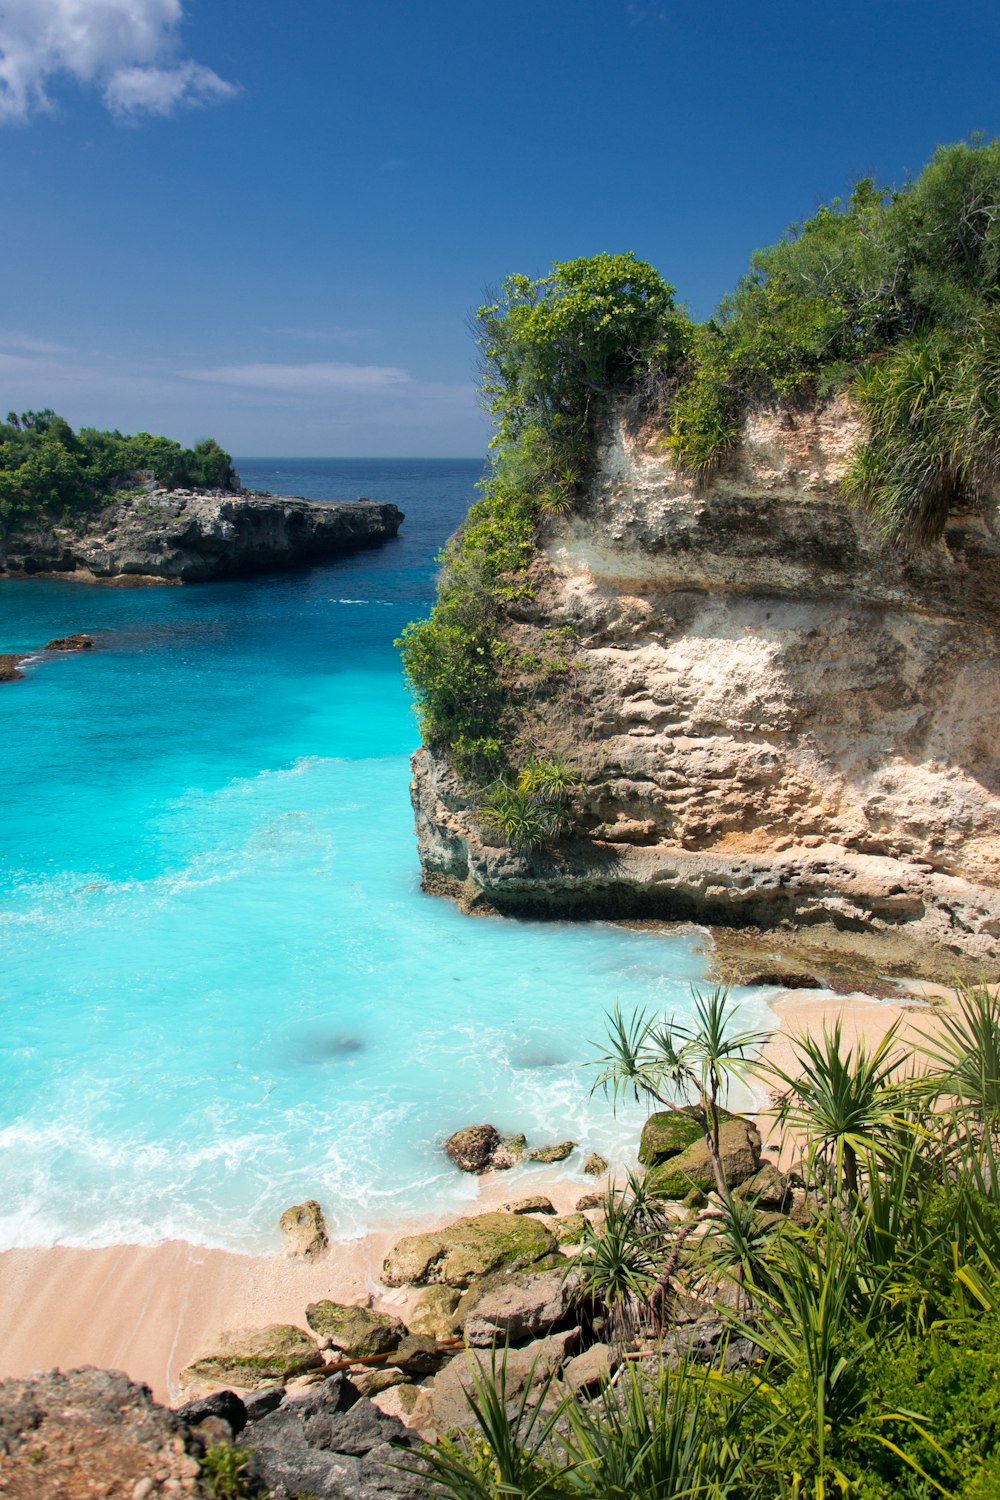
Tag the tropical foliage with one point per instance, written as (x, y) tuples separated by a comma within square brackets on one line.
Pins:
[(895, 294), (49, 471), (867, 1323), (554, 352)]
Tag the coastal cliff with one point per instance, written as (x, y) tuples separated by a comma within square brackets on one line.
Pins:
[(189, 536), (778, 718)]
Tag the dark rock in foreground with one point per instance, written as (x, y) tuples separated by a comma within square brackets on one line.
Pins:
[(188, 536), (90, 1432)]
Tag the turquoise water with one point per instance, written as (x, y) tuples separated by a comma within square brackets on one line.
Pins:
[(221, 987)]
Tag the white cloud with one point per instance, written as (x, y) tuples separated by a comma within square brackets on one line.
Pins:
[(307, 379), (128, 49)]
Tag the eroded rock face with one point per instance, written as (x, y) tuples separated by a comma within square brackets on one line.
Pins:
[(466, 1249), (187, 536), (332, 1444), (778, 718)]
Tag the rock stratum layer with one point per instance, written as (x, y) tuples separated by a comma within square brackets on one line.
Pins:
[(186, 536), (779, 719)]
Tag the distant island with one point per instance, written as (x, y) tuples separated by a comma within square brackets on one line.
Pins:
[(100, 505)]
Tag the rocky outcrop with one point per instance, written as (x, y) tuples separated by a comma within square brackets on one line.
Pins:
[(358, 1331), (188, 536), (779, 719), (93, 1432)]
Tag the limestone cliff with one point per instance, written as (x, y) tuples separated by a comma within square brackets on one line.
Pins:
[(188, 536), (778, 718)]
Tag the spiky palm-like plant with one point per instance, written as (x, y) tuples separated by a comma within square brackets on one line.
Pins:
[(681, 1065), (845, 1100), (965, 1053)]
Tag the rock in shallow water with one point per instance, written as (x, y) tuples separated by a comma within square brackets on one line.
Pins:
[(304, 1228), (472, 1148)]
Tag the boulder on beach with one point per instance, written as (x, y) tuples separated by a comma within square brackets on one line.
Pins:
[(536, 1205), (511, 1307), (433, 1312), (466, 1249), (358, 1331), (444, 1406), (569, 1229), (595, 1165), (667, 1133), (252, 1357), (739, 1154), (767, 1188), (304, 1228)]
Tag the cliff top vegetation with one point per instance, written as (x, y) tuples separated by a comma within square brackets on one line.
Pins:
[(49, 472), (894, 295)]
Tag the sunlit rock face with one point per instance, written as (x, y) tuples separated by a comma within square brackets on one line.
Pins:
[(779, 719)]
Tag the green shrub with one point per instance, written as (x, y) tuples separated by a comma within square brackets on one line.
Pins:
[(894, 294), (554, 352), (49, 472)]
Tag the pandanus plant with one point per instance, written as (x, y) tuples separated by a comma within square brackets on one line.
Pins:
[(681, 1065)]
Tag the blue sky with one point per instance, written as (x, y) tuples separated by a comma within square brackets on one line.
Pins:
[(270, 222)]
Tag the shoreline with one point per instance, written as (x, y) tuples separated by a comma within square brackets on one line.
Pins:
[(148, 1309)]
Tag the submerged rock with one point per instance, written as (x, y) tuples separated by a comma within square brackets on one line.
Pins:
[(358, 1331), (304, 1228), (8, 668), (466, 1249), (254, 1357)]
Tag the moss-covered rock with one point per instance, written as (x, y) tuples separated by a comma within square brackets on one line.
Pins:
[(739, 1153), (552, 1153), (570, 1229), (768, 1188), (254, 1357), (466, 1249), (668, 1132), (358, 1331)]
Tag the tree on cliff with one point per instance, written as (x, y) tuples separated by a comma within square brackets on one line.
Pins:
[(48, 469), (554, 352)]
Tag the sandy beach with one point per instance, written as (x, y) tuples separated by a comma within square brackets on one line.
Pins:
[(147, 1311)]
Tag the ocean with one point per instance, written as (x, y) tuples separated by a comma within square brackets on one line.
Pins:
[(221, 987)]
